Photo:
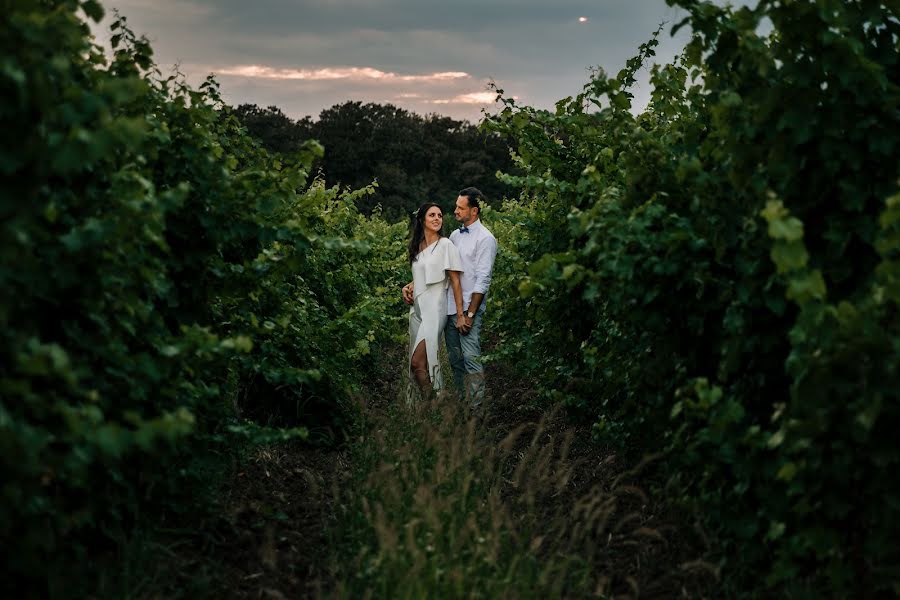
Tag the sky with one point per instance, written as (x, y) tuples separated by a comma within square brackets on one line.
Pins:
[(426, 56)]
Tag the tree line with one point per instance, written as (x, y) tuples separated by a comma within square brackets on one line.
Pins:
[(414, 158)]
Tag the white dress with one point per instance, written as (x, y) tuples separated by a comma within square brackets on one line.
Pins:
[(428, 314)]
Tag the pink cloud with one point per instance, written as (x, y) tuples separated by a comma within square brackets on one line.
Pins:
[(339, 73), (471, 98)]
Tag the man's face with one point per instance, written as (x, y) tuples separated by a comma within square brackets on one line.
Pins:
[(464, 213)]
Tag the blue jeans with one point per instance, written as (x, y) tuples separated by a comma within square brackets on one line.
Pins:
[(464, 352)]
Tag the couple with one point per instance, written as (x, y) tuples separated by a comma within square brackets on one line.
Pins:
[(462, 264)]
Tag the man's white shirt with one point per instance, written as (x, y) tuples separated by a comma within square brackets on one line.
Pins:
[(477, 249)]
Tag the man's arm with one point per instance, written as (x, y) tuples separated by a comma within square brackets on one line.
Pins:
[(475, 303), (407, 293), (484, 266)]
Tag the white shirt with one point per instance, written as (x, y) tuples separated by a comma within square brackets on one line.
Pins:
[(477, 250)]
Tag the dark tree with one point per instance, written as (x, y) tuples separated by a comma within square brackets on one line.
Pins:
[(277, 132), (413, 158)]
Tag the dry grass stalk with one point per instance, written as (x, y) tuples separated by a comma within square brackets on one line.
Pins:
[(444, 511)]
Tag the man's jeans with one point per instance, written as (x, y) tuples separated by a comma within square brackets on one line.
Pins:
[(464, 352)]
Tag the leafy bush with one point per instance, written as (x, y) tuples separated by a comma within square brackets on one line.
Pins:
[(155, 262), (714, 275)]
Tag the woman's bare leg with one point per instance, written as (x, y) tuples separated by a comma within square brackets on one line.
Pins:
[(418, 366)]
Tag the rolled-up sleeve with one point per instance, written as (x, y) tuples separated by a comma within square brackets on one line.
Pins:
[(485, 254)]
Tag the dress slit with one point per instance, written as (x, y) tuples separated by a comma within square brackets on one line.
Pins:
[(420, 339)]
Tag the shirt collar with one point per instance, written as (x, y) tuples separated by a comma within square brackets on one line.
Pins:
[(476, 224)]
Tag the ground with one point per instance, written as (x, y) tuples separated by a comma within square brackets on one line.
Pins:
[(274, 534)]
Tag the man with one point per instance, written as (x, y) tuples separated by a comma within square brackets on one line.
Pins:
[(477, 248)]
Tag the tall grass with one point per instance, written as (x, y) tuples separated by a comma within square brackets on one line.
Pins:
[(436, 508)]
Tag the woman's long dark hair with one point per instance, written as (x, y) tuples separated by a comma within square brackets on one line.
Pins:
[(418, 229)]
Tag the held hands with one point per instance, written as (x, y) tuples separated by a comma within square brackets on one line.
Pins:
[(408, 293), (463, 323)]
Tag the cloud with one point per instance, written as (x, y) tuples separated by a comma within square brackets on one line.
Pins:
[(470, 98), (306, 55), (462, 17), (162, 11), (340, 73)]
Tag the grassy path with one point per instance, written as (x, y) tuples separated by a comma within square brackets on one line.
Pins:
[(433, 502)]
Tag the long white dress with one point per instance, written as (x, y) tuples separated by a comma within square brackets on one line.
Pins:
[(428, 314)]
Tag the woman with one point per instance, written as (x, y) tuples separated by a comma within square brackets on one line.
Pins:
[(435, 266)]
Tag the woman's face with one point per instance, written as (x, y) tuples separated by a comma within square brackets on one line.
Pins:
[(434, 219)]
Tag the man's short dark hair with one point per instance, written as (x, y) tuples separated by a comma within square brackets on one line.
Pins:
[(474, 196)]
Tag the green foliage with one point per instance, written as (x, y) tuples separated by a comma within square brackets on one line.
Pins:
[(413, 158), (155, 260), (717, 276)]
